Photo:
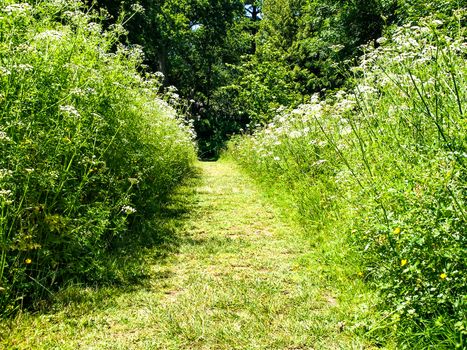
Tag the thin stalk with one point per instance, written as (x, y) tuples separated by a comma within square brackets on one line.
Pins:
[(428, 111), (456, 89)]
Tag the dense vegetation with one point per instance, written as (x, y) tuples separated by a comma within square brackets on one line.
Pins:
[(384, 163), (354, 109), (88, 149), (236, 61)]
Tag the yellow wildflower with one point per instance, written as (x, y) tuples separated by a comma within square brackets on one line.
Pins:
[(397, 230), (360, 274), (403, 262), (28, 261), (443, 276)]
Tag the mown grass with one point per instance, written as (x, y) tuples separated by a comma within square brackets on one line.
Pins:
[(243, 276)]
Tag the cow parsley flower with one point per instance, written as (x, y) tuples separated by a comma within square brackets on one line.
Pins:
[(69, 111), (128, 210), (4, 136), (49, 35), (17, 8)]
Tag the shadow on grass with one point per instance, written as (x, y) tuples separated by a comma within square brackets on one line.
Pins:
[(127, 265)]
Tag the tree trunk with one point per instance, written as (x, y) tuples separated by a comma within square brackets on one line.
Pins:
[(162, 62)]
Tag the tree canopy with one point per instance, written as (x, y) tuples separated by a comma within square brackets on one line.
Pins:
[(235, 62)]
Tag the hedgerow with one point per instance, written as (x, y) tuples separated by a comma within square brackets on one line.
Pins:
[(88, 149), (386, 163)]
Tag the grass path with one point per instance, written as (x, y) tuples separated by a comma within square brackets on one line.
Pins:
[(242, 278)]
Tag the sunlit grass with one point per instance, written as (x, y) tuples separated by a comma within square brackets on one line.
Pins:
[(244, 275)]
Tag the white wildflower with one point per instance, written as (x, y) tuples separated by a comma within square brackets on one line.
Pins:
[(336, 48), (5, 193), (314, 98), (296, 111), (4, 71), (94, 27), (4, 136), (70, 111), (346, 104), (295, 134), (341, 94), (118, 29), (5, 173), (346, 130), (314, 109), (322, 143), (366, 89), (24, 48), (49, 35), (77, 92), (413, 42), (319, 162), (90, 91), (17, 8), (128, 210), (137, 8), (23, 67)]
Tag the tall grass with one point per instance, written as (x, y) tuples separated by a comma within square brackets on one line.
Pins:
[(87, 148), (386, 163)]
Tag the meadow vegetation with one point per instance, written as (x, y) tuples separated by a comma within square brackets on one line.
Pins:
[(350, 114), (88, 148), (383, 163)]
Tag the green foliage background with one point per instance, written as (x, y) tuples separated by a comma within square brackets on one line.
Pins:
[(219, 55)]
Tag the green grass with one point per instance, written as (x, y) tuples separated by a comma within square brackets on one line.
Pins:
[(242, 275)]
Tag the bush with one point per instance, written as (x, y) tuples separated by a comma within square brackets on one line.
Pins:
[(87, 147), (388, 162)]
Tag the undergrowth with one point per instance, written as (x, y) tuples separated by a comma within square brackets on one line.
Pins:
[(88, 149), (386, 163)]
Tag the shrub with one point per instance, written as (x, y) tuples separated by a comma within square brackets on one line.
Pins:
[(87, 147)]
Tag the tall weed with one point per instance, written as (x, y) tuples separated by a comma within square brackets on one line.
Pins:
[(387, 162), (87, 147)]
